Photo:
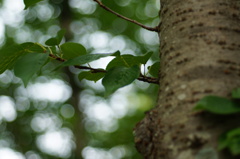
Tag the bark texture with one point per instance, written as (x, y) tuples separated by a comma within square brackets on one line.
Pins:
[(200, 55)]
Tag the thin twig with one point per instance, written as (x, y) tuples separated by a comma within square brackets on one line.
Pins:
[(125, 18), (94, 70), (148, 79)]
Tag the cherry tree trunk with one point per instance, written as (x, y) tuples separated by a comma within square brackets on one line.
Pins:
[(200, 55)]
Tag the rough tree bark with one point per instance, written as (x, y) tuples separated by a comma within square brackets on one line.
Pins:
[(199, 45)]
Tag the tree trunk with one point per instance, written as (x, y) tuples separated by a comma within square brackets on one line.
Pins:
[(78, 126), (199, 45)]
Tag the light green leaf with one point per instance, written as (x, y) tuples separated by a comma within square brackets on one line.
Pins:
[(236, 93), (217, 105), (154, 69), (28, 65), (84, 59), (71, 50), (123, 60), (118, 77), (56, 40), (29, 3), (88, 75), (9, 55)]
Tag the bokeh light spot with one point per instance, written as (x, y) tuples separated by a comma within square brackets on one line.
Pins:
[(7, 109), (57, 143), (67, 111), (7, 153)]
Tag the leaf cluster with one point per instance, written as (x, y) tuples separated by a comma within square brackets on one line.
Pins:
[(27, 59), (223, 106)]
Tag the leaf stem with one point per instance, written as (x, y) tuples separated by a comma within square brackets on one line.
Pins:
[(94, 70), (144, 72), (51, 53), (89, 65), (41, 46)]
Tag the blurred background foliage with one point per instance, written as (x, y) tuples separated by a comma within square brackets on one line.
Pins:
[(56, 116)]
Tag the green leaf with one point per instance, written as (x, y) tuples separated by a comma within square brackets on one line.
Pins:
[(223, 142), (236, 93), (118, 77), (123, 60), (233, 133), (89, 75), (71, 50), (56, 40), (154, 69), (143, 59), (84, 59), (230, 140), (217, 105), (28, 65), (54, 50), (117, 53), (128, 60), (29, 3), (9, 55), (235, 146), (33, 47)]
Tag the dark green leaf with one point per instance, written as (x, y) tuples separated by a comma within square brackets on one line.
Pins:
[(230, 140), (143, 59), (52, 42), (217, 105), (88, 75), (154, 69), (56, 40), (33, 47), (222, 142), (54, 50), (29, 3), (236, 93), (9, 55), (28, 65), (85, 59), (233, 133), (118, 77), (235, 146), (117, 53), (123, 60), (71, 50)]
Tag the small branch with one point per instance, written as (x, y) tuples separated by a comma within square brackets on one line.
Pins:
[(125, 18), (94, 70), (148, 79)]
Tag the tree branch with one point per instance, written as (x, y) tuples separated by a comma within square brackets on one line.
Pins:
[(94, 70), (156, 29), (148, 79)]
